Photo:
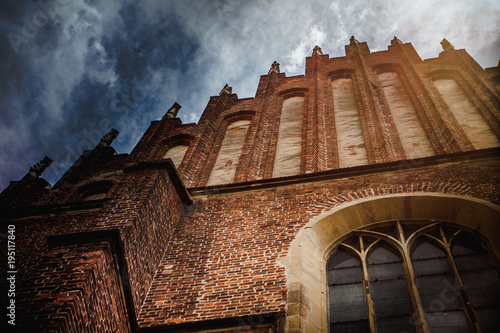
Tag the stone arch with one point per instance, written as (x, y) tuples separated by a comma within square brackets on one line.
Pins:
[(307, 308)]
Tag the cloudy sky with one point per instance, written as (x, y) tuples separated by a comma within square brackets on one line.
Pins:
[(70, 70)]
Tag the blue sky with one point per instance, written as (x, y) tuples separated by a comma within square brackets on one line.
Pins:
[(70, 70)]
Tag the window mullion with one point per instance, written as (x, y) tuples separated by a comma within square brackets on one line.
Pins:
[(419, 315), (366, 287), (469, 310)]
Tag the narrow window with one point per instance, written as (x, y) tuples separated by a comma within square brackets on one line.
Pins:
[(229, 155), (475, 127), (410, 130), (389, 290), (453, 281), (176, 153), (440, 297), (347, 299), (289, 146), (350, 141), (480, 280)]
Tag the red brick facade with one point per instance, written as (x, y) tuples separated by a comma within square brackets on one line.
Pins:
[(129, 243)]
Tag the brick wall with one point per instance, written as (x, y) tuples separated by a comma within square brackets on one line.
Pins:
[(438, 127), (224, 260), (87, 263)]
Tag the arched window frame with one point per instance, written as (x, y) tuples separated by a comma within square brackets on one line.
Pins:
[(422, 116), (174, 141), (333, 128), (473, 94), (404, 247), (306, 259), (282, 97), (227, 121)]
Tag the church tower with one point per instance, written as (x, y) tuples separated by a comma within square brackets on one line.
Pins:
[(361, 196)]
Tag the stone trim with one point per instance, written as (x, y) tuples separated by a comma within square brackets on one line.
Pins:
[(306, 260)]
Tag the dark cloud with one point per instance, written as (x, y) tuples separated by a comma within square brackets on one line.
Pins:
[(72, 69)]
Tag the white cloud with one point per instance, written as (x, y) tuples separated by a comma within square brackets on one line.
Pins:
[(296, 59), (101, 69)]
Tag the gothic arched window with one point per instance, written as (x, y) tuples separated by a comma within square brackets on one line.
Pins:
[(388, 289), (176, 153), (438, 292), (408, 124), (350, 141), (289, 144), (465, 112), (347, 299), (230, 151), (413, 277)]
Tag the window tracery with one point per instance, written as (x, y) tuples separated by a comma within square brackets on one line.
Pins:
[(409, 276)]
